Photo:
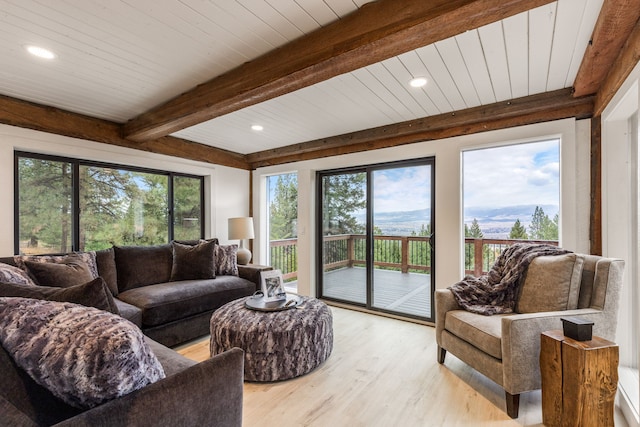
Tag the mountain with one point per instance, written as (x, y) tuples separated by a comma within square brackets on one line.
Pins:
[(495, 222)]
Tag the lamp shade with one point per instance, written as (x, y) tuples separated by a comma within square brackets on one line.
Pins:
[(241, 228)]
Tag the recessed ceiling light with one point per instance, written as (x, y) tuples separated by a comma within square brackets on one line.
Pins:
[(257, 127), (418, 82), (40, 52)]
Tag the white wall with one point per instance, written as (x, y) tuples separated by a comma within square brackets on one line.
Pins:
[(226, 189), (574, 221)]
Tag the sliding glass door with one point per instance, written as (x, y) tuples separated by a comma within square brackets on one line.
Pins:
[(375, 237)]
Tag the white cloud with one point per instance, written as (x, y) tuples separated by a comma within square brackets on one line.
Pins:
[(514, 175), (403, 189)]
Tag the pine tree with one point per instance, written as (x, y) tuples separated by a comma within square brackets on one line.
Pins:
[(543, 228), (518, 231), (473, 231), (283, 211)]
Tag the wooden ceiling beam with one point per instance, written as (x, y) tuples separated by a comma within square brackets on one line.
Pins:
[(517, 112), (25, 114), (619, 71), (375, 32), (614, 25)]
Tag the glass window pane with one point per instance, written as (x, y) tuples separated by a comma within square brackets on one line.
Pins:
[(282, 202), (120, 207), (187, 208), (45, 206), (511, 193)]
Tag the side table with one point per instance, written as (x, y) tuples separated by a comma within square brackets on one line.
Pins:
[(579, 380)]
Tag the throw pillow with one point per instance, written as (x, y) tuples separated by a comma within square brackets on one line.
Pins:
[(91, 294), (552, 283), (142, 265), (88, 257), (12, 274), (69, 271), (106, 260), (83, 356), (227, 260), (193, 262)]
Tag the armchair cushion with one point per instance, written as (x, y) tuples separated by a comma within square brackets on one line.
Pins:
[(483, 332), (552, 283)]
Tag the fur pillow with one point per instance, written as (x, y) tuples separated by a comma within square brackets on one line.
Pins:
[(227, 260), (82, 355), (193, 262), (91, 294), (88, 257), (12, 274), (69, 271)]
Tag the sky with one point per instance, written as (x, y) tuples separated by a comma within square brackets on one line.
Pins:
[(521, 174)]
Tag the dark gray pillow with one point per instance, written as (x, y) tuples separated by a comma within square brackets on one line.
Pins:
[(70, 271), (91, 294), (83, 356), (142, 265), (193, 262), (106, 264)]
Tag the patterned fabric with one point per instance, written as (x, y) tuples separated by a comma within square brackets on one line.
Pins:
[(87, 257), (82, 355), (227, 260), (12, 274), (278, 345), (497, 291)]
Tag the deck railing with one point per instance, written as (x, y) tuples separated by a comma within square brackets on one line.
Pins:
[(401, 253)]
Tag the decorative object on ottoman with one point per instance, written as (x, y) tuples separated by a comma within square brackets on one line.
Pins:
[(271, 286), (278, 345)]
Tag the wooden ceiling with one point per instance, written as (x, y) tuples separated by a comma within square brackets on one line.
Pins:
[(326, 77)]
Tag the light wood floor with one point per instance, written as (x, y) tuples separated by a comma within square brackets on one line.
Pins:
[(382, 372)]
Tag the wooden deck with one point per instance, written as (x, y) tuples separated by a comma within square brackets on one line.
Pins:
[(404, 293)]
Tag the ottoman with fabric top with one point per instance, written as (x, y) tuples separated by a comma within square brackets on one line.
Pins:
[(277, 345)]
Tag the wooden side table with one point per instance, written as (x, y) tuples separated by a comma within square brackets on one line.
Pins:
[(579, 380)]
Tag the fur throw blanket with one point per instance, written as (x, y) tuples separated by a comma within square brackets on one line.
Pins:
[(497, 291)]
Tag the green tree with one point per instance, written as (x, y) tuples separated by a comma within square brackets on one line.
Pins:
[(518, 231), (343, 197), (45, 204), (542, 227), (283, 210), (473, 231)]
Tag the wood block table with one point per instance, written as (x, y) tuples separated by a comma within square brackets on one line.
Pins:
[(579, 380), (277, 345)]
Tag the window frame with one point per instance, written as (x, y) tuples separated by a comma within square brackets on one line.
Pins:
[(75, 217)]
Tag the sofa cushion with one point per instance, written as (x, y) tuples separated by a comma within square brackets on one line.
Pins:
[(69, 271), (13, 274), (552, 283), (143, 265), (130, 312), (193, 262), (88, 257), (106, 262), (94, 293), (84, 356), (166, 302), (483, 332), (227, 260)]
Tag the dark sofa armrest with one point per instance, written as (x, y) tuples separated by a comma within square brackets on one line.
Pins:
[(12, 416), (206, 394), (252, 272)]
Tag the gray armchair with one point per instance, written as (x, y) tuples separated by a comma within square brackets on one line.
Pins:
[(506, 347)]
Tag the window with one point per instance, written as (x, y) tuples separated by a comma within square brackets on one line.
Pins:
[(67, 204), (510, 193), (282, 202)]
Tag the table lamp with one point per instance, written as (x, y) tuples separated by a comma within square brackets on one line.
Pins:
[(240, 229)]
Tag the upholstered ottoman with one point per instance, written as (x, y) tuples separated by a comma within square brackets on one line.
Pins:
[(278, 345)]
